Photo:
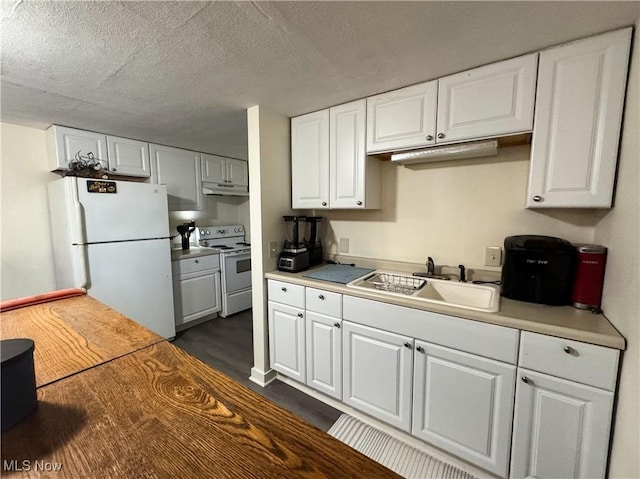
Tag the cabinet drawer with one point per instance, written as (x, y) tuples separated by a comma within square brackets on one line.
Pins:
[(585, 363), (324, 302), (286, 293), (193, 265)]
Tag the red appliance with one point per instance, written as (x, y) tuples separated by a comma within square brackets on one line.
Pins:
[(587, 289)]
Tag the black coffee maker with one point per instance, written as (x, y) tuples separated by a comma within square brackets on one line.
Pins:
[(312, 239), (185, 231), (295, 255)]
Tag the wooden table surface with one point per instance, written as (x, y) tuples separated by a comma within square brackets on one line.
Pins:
[(159, 412), (119, 401), (73, 334)]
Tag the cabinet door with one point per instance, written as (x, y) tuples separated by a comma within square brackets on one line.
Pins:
[(463, 404), (310, 160), (196, 296), (347, 158), (214, 168), (180, 171), (492, 100), (377, 372), (402, 119), (561, 428), (324, 354), (579, 103), (287, 340), (65, 143), (237, 172), (128, 157)]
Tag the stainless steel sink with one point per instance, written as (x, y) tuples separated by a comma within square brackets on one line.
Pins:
[(478, 297)]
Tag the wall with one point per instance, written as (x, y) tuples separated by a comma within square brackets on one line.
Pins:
[(26, 254), (270, 186), (620, 232), (451, 211)]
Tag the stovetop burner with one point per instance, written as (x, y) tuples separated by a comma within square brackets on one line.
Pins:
[(221, 246), (243, 244)]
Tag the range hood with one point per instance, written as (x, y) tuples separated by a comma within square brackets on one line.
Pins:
[(222, 189), (476, 149)]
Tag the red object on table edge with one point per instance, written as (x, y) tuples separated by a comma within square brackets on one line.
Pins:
[(16, 303)]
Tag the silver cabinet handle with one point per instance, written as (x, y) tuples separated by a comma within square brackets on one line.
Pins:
[(440, 135), (283, 289), (407, 345), (525, 380), (321, 296), (537, 198), (429, 137), (300, 315), (337, 324), (569, 350), (359, 203), (420, 349), (324, 203)]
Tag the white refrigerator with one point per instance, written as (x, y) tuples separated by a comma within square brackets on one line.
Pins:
[(112, 238)]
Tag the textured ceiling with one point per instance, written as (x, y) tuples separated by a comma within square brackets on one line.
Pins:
[(183, 73)]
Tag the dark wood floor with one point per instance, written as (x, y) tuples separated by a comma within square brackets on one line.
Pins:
[(226, 344)]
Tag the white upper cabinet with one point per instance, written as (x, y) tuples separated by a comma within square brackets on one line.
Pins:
[(128, 157), (310, 160), (118, 156), (180, 171), (579, 104), (489, 101), (223, 171), (330, 168), (403, 118), (65, 144), (354, 179)]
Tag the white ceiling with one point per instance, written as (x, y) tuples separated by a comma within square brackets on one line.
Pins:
[(183, 73)]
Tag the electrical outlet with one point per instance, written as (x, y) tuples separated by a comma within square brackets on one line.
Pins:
[(273, 249), (344, 245), (493, 256)]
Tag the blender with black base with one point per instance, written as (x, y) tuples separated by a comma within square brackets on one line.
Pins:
[(312, 239), (294, 256)]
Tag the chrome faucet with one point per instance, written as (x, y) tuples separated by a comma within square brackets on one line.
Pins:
[(463, 276), (431, 267)]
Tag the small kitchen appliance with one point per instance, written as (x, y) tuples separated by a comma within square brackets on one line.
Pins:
[(587, 288), (18, 380), (538, 269), (295, 255), (185, 231), (235, 264), (312, 239)]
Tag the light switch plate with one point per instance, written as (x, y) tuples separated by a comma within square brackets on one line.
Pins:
[(273, 249), (344, 245)]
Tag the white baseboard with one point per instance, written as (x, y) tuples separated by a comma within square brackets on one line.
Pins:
[(263, 378)]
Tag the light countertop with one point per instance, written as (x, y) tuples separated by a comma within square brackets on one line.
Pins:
[(561, 321), (192, 252)]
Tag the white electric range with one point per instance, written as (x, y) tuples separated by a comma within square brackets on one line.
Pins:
[(235, 264)]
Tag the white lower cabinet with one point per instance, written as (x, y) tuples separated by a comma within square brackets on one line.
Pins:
[(516, 404), (463, 403), (377, 373), (561, 428), (287, 340), (324, 353), (196, 289)]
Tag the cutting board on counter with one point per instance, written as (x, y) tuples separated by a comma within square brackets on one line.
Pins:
[(338, 273)]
